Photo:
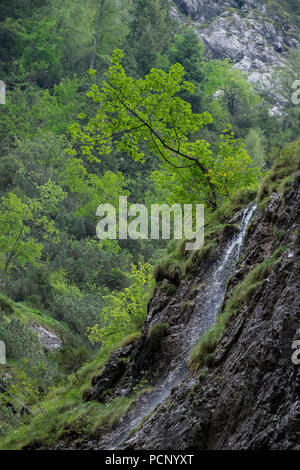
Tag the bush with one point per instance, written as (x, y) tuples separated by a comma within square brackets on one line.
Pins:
[(8, 419), (71, 359), (169, 270), (6, 305), (79, 313), (157, 332), (21, 342)]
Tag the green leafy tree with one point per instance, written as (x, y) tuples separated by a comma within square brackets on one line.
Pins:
[(42, 51), (93, 189), (189, 52), (17, 245), (26, 387), (150, 34), (141, 115), (256, 147), (109, 29), (125, 311)]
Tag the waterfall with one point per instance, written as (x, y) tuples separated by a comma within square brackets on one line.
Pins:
[(209, 302)]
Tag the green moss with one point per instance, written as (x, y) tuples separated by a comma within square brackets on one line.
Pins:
[(156, 334), (129, 339), (280, 178), (168, 269)]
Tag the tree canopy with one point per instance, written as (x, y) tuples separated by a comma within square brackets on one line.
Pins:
[(138, 115)]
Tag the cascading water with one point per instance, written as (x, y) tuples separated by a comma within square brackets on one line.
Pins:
[(209, 303)]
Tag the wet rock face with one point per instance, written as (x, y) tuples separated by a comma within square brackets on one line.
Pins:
[(153, 361), (103, 384), (249, 396), (244, 30)]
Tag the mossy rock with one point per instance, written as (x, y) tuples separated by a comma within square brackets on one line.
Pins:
[(156, 334), (169, 270)]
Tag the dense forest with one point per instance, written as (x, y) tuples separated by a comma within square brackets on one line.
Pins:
[(110, 98)]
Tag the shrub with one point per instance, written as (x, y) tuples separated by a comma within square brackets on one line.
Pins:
[(79, 313), (8, 419), (71, 359), (157, 332), (21, 342), (6, 305), (169, 270)]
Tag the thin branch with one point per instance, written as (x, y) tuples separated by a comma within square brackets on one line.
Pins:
[(169, 147), (166, 160), (117, 134)]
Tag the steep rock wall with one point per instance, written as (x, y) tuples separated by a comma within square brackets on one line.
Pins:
[(246, 31), (248, 397)]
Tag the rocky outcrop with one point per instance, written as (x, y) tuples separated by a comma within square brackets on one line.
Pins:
[(49, 340), (248, 397), (103, 384), (254, 37), (245, 394), (155, 360)]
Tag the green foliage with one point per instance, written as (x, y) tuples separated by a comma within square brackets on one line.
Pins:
[(67, 416), (26, 385), (16, 243), (93, 190), (156, 334), (79, 313), (6, 305), (281, 176), (49, 196), (255, 146), (168, 269), (141, 387), (150, 111), (8, 419), (150, 33), (72, 359), (42, 46), (126, 310), (21, 342)]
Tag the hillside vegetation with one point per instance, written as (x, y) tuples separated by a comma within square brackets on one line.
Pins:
[(124, 101)]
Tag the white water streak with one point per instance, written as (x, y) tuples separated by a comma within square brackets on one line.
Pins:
[(209, 303)]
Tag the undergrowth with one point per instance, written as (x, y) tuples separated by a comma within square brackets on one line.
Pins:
[(68, 417), (281, 176)]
